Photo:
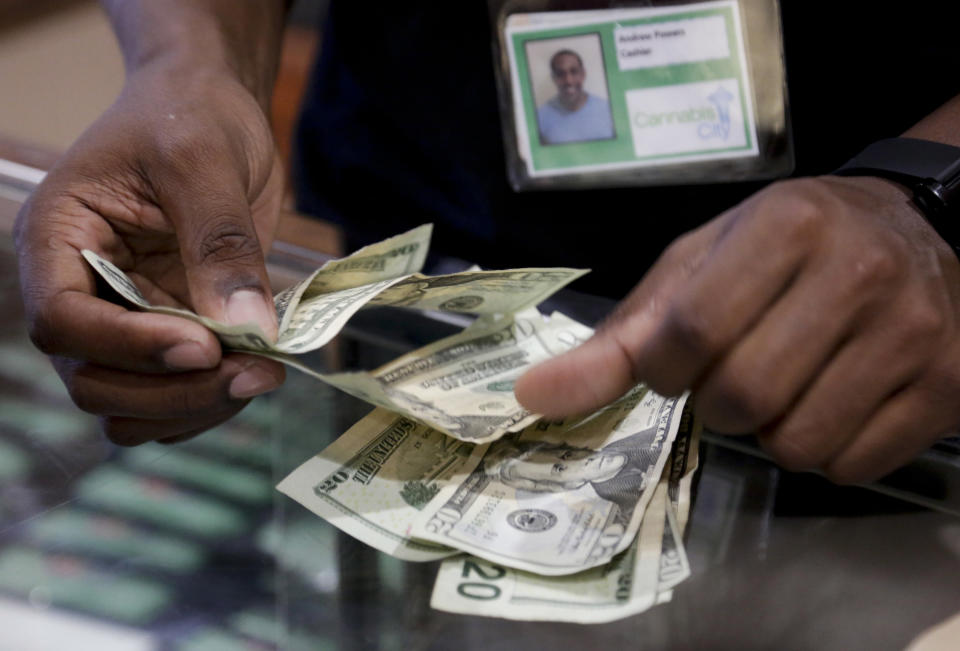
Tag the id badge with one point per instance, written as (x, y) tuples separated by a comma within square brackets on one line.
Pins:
[(662, 94)]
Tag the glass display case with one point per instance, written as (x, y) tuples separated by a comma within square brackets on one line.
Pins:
[(190, 547)]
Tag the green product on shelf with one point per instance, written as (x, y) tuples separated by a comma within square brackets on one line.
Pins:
[(236, 443), (45, 423), (104, 535), (24, 364), (72, 582), (157, 501), (197, 472), (15, 463)]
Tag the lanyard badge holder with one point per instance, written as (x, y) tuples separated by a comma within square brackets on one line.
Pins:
[(651, 93)]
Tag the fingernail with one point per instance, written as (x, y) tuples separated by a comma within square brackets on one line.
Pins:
[(187, 356), (252, 382), (248, 306)]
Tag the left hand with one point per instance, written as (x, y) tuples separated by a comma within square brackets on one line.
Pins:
[(180, 186), (821, 313)]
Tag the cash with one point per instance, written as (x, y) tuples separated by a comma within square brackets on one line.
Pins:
[(555, 499), (461, 385), (625, 586), (578, 520), (388, 474), (684, 459), (314, 310), (633, 581), (372, 481)]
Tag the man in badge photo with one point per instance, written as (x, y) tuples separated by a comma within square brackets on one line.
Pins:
[(573, 114)]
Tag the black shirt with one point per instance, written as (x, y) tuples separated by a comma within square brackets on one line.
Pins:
[(400, 126)]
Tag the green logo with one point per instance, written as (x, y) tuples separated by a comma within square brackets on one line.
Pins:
[(643, 120)]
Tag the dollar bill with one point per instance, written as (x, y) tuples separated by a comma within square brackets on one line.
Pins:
[(390, 259), (463, 384), (478, 292), (373, 481), (316, 309), (317, 318), (556, 499), (686, 460), (625, 586), (247, 337), (330, 296), (311, 324), (674, 565)]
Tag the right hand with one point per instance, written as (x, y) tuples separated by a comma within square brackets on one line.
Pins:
[(179, 185)]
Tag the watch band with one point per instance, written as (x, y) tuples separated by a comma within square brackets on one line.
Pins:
[(930, 169)]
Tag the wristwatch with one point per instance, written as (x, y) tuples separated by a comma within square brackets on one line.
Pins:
[(930, 169)]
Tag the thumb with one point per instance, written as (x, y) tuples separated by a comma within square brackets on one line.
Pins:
[(612, 361), (589, 376), (220, 251)]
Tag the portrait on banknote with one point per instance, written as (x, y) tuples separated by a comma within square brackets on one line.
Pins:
[(560, 497), (617, 473)]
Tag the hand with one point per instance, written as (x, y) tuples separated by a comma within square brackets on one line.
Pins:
[(820, 313), (179, 185)]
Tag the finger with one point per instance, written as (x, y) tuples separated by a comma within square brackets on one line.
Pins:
[(601, 370), (897, 432), (764, 372), (74, 324), (189, 395), (688, 312), (136, 431), (730, 293), (65, 318), (860, 378), (218, 241)]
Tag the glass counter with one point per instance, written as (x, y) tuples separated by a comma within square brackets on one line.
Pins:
[(190, 547)]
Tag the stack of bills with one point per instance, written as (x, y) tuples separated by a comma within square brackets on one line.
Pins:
[(574, 521), (580, 520)]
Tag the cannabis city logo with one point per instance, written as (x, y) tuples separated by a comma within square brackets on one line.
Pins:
[(720, 128), (711, 119)]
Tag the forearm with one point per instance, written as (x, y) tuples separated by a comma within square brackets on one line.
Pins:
[(239, 37), (943, 125)]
